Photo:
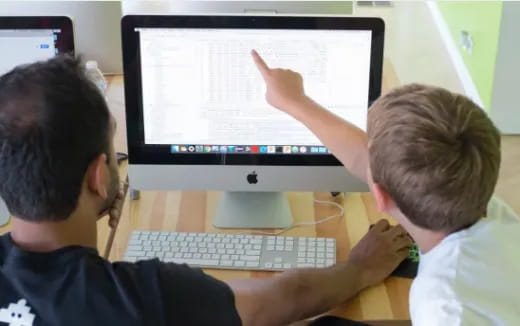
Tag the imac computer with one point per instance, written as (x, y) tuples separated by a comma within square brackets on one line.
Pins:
[(197, 118), (28, 39)]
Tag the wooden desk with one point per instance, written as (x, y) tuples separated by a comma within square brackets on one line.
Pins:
[(193, 211)]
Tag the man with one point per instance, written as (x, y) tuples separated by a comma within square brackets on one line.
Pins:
[(431, 159), (58, 175)]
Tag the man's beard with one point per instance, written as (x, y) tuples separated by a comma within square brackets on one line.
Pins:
[(113, 190)]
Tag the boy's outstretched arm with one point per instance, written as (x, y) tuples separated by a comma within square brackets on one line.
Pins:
[(346, 141)]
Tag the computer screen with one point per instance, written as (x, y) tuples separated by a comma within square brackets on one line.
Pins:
[(201, 92), (26, 46), (29, 39), (197, 117)]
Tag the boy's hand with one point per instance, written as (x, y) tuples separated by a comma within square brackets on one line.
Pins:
[(284, 87), (380, 251)]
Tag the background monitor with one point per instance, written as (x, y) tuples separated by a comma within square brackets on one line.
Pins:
[(97, 26), (28, 39), (197, 116)]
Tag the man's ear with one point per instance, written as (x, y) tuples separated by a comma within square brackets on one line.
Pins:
[(383, 200), (96, 175)]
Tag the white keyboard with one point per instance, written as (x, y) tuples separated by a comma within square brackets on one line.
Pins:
[(232, 251)]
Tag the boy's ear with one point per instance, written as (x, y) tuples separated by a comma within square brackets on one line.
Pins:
[(96, 175), (383, 200)]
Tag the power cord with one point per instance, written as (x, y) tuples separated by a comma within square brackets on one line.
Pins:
[(304, 224)]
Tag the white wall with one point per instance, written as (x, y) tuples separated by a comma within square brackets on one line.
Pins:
[(237, 7), (505, 100)]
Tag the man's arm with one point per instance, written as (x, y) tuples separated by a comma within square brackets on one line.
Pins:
[(298, 294), (346, 141)]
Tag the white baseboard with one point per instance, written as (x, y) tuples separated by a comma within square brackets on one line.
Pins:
[(462, 70)]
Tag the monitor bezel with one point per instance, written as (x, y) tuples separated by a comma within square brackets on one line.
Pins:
[(147, 154), (63, 23)]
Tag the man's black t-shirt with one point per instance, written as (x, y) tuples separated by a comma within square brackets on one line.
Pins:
[(75, 286)]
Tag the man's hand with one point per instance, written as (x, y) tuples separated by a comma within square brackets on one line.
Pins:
[(380, 251), (284, 87), (302, 293), (115, 211)]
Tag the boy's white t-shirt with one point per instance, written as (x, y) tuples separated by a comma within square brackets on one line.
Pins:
[(473, 276)]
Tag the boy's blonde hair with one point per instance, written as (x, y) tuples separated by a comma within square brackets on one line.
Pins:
[(436, 153)]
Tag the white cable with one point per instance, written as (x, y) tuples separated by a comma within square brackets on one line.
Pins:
[(303, 224)]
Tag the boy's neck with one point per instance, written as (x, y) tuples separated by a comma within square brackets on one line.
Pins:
[(426, 240)]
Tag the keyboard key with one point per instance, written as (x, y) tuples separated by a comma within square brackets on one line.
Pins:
[(239, 263), (203, 262), (268, 265), (139, 253), (250, 258), (252, 264)]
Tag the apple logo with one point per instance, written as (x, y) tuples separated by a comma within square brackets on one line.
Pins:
[(252, 178)]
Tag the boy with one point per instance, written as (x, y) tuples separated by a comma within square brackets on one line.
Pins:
[(431, 159)]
